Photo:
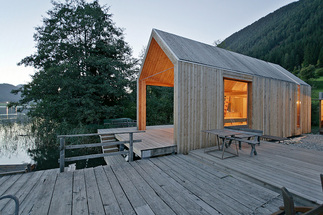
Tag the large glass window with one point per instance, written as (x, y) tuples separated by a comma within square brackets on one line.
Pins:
[(235, 102)]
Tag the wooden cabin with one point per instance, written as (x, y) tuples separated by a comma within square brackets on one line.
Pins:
[(214, 88)]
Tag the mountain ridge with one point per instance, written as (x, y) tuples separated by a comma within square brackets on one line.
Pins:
[(6, 95), (291, 36)]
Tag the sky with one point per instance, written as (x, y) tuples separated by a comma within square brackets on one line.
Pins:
[(201, 20)]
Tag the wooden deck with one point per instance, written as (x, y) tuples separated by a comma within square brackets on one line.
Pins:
[(275, 166), (157, 140), (175, 184)]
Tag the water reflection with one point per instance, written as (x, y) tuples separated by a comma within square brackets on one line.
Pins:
[(15, 141)]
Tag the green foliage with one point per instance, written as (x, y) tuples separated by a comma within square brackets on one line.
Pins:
[(292, 36), (84, 66), (159, 105), (85, 73), (307, 73)]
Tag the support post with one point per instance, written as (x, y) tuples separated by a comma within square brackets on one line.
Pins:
[(62, 154), (141, 105), (130, 147)]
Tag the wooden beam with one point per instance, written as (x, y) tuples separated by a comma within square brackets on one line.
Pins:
[(155, 83), (141, 105)]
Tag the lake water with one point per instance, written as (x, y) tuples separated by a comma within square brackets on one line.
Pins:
[(15, 142)]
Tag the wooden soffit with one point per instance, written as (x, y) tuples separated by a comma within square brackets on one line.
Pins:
[(157, 69)]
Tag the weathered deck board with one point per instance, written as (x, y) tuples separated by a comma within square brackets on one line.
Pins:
[(176, 184), (62, 194), (39, 198), (165, 196), (203, 191), (121, 197), (79, 194), (137, 201), (108, 198), (179, 193), (92, 191), (157, 140), (22, 192), (157, 205), (276, 165)]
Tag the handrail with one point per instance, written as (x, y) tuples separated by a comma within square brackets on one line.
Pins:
[(16, 202), (62, 147), (96, 134)]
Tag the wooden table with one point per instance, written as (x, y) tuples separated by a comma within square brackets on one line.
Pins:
[(237, 136)]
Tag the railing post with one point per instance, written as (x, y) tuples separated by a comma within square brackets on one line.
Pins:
[(130, 147), (62, 154)]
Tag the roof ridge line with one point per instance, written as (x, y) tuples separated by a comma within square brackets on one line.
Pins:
[(165, 44)]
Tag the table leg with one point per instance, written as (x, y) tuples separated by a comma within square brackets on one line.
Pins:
[(253, 150)]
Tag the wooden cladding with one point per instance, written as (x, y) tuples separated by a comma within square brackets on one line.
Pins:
[(199, 98), (157, 69), (275, 107), (199, 105)]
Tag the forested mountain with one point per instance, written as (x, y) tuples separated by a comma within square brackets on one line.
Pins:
[(6, 95), (292, 36)]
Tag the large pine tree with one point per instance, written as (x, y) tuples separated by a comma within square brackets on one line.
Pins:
[(84, 66)]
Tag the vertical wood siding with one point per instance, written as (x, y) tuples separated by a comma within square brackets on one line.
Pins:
[(198, 105)]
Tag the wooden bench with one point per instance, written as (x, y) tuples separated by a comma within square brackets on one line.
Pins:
[(252, 143), (246, 136)]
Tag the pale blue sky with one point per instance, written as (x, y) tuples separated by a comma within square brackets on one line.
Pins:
[(202, 20)]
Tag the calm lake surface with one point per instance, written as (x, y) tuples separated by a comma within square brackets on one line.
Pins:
[(15, 140)]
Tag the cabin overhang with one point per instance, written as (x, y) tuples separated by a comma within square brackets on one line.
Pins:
[(157, 70)]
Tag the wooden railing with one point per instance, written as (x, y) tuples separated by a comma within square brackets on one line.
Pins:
[(63, 147)]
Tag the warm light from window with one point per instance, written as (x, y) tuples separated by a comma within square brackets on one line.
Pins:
[(298, 106), (235, 102)]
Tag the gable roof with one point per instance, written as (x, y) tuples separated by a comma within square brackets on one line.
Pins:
[(200, 53)]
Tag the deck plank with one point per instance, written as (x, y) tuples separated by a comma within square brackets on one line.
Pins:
[(137, 201), (191, 202), (93, 196), (224, 204), (23, 192), (165, 196), (80, 205), (244, 188), (38, 200), (197, 183), (14, 189), (270, 166), (8, 183), (121, 197), (61, 202), (108, 198), (157, 205)]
